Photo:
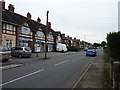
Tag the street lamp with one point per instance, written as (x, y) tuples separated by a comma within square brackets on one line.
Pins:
[(46, 32)]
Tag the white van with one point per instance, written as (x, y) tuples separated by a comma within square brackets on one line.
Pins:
[(61, 47)]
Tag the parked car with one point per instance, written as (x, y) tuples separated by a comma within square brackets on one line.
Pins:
[(5, 53), (61, 47), (91, 52), (21, 51)]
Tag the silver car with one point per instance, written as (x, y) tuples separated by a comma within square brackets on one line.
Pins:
[(5, 53), (21, 51)]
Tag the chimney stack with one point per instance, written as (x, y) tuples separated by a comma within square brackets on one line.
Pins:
[(2, 4), (68, 36), (63, 35), (11, 8), (49, 24), (38, 20), (28, 15)]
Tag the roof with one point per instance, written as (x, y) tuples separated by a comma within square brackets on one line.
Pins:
[(14, 18)]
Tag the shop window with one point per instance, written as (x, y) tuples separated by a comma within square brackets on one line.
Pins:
[(9, 43), (23, 44)]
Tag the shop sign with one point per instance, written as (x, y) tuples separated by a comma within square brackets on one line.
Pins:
[(25, 39)]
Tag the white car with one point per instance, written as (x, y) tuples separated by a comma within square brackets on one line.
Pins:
[(5, 53), (61, 47)]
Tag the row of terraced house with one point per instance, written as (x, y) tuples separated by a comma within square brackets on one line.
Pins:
[(18, 30)]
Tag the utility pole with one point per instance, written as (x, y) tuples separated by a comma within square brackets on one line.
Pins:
[(0, 22), (46, 33)]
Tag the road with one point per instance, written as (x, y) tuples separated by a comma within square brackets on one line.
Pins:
[(60, 72)]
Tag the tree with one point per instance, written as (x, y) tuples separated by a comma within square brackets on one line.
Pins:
[(96, 44), (103, 43)]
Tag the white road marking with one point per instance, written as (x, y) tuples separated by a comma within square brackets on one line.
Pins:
[(21, 77), (61, 62), (83, 74)]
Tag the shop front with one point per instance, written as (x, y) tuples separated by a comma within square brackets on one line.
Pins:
[(26, 42), (39, 46), (50, 46)]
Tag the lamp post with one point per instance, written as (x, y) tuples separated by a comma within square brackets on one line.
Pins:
[(46, 32), (0, 25)]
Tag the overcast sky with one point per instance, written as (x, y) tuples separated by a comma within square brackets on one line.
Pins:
[(88, 20)]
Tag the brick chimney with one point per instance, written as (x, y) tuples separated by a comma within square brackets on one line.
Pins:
[(2, 4), (38, 20), (49, 24), (28, 15), (11, 8), (63, 35)]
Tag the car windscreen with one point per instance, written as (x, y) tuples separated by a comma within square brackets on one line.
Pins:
[(27, 49), (90, 50)]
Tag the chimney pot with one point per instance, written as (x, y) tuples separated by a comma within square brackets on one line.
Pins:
[(38, 20), (11, 8), (28, 15)]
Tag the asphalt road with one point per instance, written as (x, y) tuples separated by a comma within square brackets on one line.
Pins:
[(60, 72)]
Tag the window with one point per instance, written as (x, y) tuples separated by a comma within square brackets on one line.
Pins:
[(50, 36), (9, 43), (19, 48), (40, 34), (25, 30), (9, 27), (59, 38)]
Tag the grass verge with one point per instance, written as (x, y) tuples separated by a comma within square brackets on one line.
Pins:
[(106, 80)]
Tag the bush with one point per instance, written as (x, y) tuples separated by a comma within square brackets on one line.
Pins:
[(73, 48), (113, 45)]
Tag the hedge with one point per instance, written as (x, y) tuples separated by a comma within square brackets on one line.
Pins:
[(73, 48), (113, 45)]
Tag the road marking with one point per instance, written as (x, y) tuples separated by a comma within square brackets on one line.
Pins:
[(21, 77), (61, 62), (83, 74)]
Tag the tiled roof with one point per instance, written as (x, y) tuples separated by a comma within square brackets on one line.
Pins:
[(20, 20)]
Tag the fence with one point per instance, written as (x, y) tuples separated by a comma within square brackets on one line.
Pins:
[(115, 65)]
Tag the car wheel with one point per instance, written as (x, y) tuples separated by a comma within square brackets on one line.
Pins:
[(5, 60), (28, 56), (19, 55)]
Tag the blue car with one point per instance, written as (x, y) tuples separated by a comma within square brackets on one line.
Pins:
[(91, 52), (85, 49)]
